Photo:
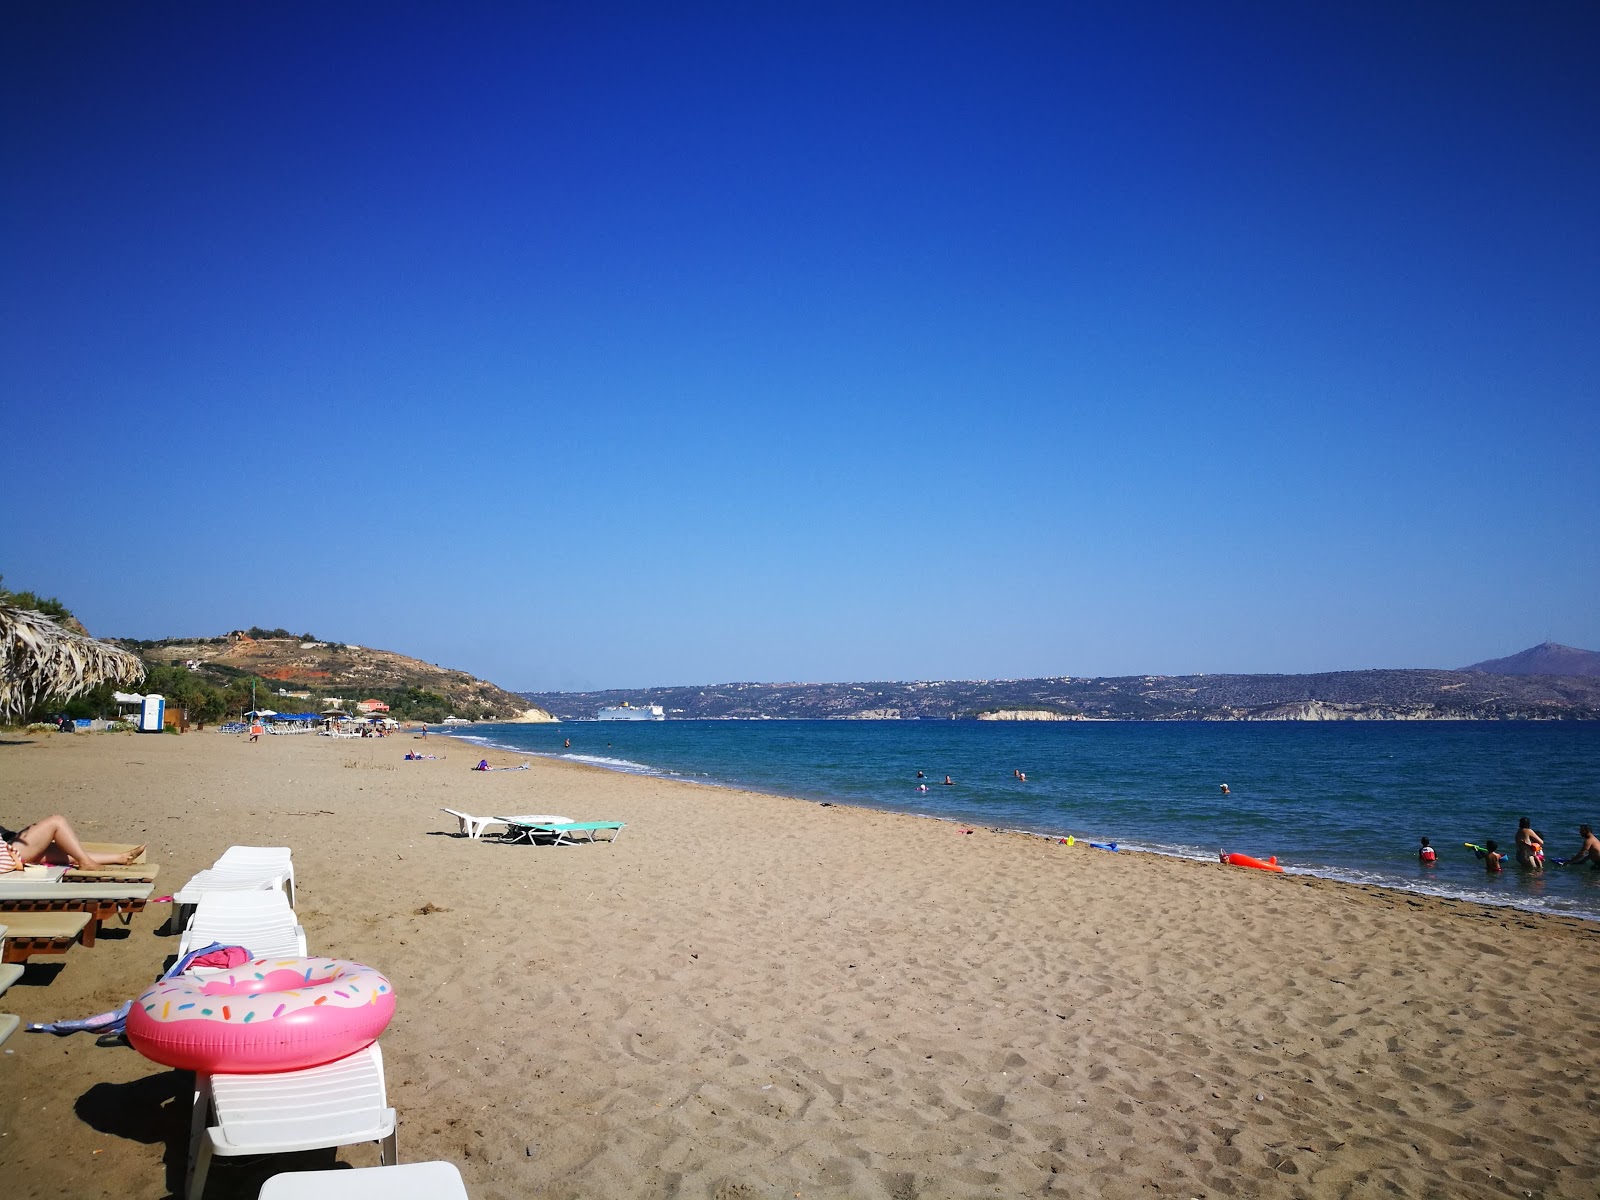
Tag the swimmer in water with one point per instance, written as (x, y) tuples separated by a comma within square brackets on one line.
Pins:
[(1225, 790), (948, 782), (1426, 855), (1530, 846), (1589, 852), (1492, 858)]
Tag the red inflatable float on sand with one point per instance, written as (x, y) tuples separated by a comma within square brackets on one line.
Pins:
[(1244, 860), (265, 1015)]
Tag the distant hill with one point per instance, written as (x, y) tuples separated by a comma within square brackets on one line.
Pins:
[(1548, 658), (1331, 696), (334, 669)]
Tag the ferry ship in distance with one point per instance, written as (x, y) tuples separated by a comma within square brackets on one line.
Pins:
[(629, 712)]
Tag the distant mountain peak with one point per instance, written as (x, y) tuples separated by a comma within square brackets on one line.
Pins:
[(1547, 658)]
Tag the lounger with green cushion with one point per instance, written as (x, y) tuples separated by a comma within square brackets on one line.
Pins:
[(570, 833), (530, 828), (42, 933), (100, 900)]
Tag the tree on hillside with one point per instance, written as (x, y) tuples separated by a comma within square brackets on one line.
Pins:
[(48, 605)]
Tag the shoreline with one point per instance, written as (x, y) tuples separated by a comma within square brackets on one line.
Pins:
[(752, 996), (1350, 877)]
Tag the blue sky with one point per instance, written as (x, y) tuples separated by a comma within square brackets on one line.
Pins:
[(605, 345)]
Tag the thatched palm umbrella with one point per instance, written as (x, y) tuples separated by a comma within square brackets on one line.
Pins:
[(38, 659)]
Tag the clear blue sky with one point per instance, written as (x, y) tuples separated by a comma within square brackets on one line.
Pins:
[(613, 345)]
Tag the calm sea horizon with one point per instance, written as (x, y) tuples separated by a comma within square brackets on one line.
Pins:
[(1344, 800)]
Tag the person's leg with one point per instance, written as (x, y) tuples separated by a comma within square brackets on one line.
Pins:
[(54, 833)]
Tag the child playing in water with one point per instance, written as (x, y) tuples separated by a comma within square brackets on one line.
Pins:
[(1492, 858), (1425, 855)]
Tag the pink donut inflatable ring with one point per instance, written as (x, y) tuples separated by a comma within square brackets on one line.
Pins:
[(265, 1015)]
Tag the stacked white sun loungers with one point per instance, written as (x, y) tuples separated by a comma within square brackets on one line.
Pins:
[(239, 869), (244, 899), (242, 868), (9, 974)]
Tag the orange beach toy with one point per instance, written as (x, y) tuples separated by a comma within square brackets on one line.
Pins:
[(1244, 860)]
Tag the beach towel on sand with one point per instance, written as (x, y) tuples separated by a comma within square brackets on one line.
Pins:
[(114, 1022)]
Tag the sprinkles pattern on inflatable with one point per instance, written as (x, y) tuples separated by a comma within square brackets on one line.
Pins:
[(266, 1015)]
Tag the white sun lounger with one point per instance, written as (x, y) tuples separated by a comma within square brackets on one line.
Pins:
[(239, 869), (471, 826), (274, 858), (411, 1181), (262, 922), (9, 974), (337, 1104)]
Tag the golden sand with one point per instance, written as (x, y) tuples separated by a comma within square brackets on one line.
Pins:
[(749, 996)]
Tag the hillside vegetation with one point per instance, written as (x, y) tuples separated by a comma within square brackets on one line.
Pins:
[(280, 662)]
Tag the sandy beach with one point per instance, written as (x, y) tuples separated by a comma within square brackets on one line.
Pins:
[(752, 996)]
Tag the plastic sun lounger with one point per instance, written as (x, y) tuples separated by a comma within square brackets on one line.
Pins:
[(277, 858), (410, 1181), (44, 933), (223, 879), (231, 879), (530, 828), (9, 974), (337, 1104), (471, 826), (262, 922), (101, 901), (568, 833)]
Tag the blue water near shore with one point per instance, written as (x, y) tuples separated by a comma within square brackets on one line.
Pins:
[(1347, 800)]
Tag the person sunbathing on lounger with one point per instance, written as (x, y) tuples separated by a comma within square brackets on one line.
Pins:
[(52, 840)]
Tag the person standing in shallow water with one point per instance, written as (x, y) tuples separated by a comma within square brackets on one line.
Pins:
[(1530, 846)]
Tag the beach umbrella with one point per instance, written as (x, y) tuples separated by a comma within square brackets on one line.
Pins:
[(40, 659)]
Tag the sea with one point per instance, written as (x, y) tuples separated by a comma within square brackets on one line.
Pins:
[(1347, 800)]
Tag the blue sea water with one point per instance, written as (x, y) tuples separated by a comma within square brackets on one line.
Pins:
[(1347, 800)]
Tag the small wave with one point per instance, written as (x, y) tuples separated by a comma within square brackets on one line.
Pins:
[(613, 764)]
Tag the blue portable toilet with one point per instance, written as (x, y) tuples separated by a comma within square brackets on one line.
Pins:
[(152, 714)]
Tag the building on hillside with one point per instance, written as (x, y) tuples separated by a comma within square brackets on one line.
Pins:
[(373, 706)]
